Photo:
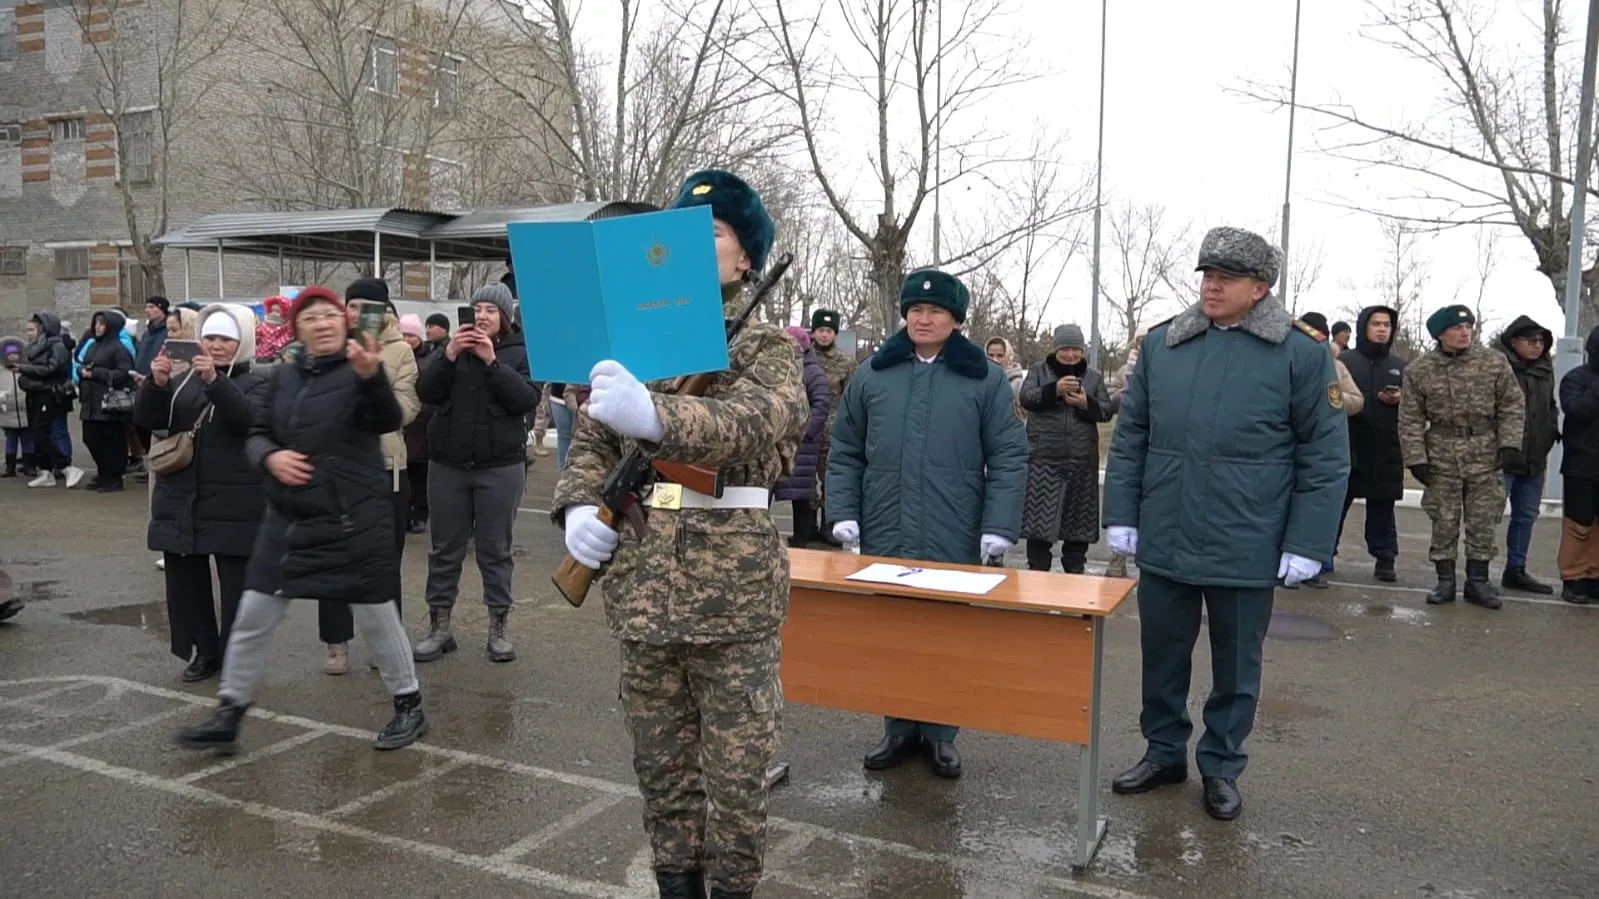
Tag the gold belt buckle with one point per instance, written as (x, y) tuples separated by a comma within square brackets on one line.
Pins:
[(667, 496)]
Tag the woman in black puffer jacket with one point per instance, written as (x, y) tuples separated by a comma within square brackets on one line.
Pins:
[(211, 507), (105, 368), (328, 531)]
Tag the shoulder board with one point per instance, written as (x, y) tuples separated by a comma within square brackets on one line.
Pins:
[(1310, 331)]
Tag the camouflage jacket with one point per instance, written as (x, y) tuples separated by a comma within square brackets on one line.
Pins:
[(1458, 409), (837, 364), (703, 575)]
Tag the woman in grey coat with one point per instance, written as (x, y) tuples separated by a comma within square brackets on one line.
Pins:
[(1066, 401)]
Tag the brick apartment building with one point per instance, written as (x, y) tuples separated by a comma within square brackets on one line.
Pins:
[(82, 136)]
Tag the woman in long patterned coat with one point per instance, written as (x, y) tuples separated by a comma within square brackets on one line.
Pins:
[(1065, 401)]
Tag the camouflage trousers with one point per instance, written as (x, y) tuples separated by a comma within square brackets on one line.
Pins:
[(1477, 500), (705, 720)]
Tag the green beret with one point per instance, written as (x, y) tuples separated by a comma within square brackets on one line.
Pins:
[(825, 318), (1239, 252), (1447, 318), (735, 203), (930, 285)]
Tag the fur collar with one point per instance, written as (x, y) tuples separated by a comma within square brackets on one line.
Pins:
[(963, 357), (1268, 320)]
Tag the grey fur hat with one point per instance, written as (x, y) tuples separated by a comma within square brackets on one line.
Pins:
[(1239, 252)]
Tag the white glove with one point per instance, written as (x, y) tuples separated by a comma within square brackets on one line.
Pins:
[(1122, 539), (618, 401), (846, 532), (994, 546), (1295, 569), (588, 540)]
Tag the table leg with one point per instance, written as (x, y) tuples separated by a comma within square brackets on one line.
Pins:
[(1090, 825), (776, 774)]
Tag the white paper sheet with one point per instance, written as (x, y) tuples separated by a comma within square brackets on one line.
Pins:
[(929, 578)]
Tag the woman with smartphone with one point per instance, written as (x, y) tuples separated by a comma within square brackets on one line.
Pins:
[(204, 510)]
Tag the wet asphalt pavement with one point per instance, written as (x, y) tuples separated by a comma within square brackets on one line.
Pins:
[(1399, 750)]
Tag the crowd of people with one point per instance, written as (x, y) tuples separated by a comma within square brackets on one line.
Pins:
[(300, 475)]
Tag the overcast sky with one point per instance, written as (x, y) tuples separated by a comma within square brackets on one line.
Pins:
[(1174, 135)]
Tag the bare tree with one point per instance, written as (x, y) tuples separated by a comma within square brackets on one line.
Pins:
[(678, 93), (895, 76), (149, 84), (1487, 261), (1498, 149), (1148, 274), (1400, 284)]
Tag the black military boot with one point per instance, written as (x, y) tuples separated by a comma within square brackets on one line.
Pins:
[(890, 751), (11, 468), (721, 893), (1519, 579), (1445, 591), (681, 884), (408, 724), (1479, 592), (1576, 592), (804, 524), (220, 732), (1384, 571)]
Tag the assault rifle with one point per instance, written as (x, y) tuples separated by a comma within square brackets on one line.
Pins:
[(619, 496)]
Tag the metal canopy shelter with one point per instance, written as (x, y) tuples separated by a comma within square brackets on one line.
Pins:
[(377, 235)]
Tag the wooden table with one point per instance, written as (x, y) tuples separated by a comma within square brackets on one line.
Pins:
[(1026, 658)]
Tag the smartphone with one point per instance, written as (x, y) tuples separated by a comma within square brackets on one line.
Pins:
[(465, 317), (369, 320), (182, 350)]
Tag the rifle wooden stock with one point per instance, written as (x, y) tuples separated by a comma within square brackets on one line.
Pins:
[(573, 579)]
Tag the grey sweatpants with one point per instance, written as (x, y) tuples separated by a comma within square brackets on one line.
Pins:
[(476, 504), (259, 615)]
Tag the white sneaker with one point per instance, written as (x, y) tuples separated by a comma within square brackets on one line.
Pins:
[(45, 479), (160, 563), (74, 475)]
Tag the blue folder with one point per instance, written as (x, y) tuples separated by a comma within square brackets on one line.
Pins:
[(641, 289)]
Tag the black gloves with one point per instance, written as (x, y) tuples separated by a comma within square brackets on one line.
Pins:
[(1510, 457), (1422, 473)]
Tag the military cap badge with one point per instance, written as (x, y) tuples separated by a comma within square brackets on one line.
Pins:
[(701, 190)]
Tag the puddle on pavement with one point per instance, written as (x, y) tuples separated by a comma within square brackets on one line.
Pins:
[(149, 616), (1404, 614), (1292, 626)]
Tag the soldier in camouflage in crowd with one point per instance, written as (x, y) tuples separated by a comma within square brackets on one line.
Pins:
[(699, 601), (837, 362), (1460, 421)]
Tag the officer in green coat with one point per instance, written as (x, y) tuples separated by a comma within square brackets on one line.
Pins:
[(1226, 474), (928, 462)]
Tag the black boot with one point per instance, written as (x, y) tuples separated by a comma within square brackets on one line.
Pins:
[(804, 524), (408, 724), (1519, 579), (721, 893), (220, 732), (11, 467), (1576, 592), (681, 884), (1445, 591), (1479, 592), (890, 751), (1384, 571), (201, 668)]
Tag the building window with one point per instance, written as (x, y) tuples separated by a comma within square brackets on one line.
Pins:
[(446, 82), (10, 135), (444, 184), (132, 289), (137, 133), (66, 129), (8, 35), (383, 67), (72, 264), (13, 260)]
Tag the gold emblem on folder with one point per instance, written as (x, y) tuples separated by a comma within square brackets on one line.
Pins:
[(658, 254)]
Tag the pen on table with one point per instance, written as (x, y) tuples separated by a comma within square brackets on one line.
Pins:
[(908, 571)]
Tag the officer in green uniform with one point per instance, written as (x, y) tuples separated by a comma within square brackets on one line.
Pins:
[(1226, 474)]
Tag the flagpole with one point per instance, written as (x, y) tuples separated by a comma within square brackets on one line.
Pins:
[(1099, 195), (1284, 289)]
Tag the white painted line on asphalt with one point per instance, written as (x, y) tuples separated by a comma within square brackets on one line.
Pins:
[(264, 752), (26, 702), (511, 871), (640, 883), (39, 751), (543, 835), (1505, 595), (395, 789)]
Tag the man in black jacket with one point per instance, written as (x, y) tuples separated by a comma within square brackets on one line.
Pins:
[(1377, 470), (1526, 344), (476, 465)]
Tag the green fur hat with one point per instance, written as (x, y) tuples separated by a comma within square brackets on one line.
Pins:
[(735, 203), (1447, 318), (930, 285)]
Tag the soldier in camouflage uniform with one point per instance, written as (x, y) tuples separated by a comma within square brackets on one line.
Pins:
[(699, 601), (1460, 422), (837, 362)]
